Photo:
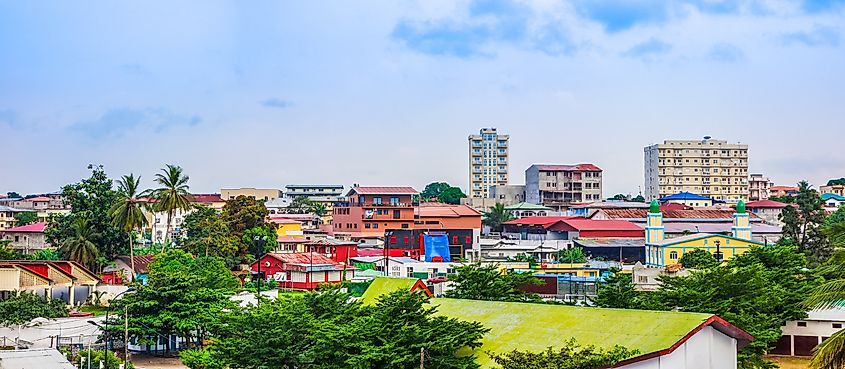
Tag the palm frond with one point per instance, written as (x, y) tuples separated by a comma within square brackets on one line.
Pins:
[(831, 353), (828, 295)]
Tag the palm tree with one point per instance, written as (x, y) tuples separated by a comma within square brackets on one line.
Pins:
[(127, 213), (830, 354), (496, 216), (80, 247), (172, 195), (319, 209)]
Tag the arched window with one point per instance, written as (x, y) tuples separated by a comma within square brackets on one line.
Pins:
[(673, 255)]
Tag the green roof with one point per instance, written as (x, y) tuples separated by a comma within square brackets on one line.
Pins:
[(535, 327), (385, 285), (526, 206)]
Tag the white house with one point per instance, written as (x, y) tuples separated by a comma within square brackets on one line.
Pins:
[(800, 337)]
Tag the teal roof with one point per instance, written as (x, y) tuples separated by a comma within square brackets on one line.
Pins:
[(535, 327), (828, 196), (526, 206)]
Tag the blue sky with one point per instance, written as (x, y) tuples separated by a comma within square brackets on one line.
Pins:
[(267, 93)]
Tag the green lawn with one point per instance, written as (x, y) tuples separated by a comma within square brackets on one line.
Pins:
[(97, 310), (791, 362)]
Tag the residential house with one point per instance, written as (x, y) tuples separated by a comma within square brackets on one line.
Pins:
[(26, 239), (688, 199), (498, 194), (832, 201), (779, 191), (41, 358), (587, 210), (211, 200), (123, 267), (304, 271), (768, 210), (65, 280), (758, 187), (647, 279), (625, 250), (7, 216), (562, 186), (367, 212), (327, 195), (661, 252), (568, 228), (835, 186), (800, 337), (501, 250), (524, 209)]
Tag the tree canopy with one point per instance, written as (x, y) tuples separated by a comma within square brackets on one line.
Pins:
[(496, 216), (442, 192), (802, 226), (25, 218), (476, 281), (570, 356), (22, 308), (698, 259), (325, 330)]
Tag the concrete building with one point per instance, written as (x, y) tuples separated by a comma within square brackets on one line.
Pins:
[(367, 212), (837, 189), (26, 239), (832, 201), (768, 210), (758, 187), (687, 199), (782, 191), (499, 194), (255, 193), (7, 216), (488, 161), (800, 337), (712, 168), (561, 186), (327, 195)]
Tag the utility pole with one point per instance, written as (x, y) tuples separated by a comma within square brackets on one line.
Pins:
[(422, 357), (126, 335)]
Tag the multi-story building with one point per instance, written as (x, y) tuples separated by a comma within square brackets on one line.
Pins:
[(834, 186), (488, 161), (713, 168), (7, 216), (367, 211), (758, 187), (323, 194), (255, 193), (561, 186), (780, 191)]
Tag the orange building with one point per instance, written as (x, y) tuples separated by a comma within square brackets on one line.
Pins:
[(434, 216), (368, 211)]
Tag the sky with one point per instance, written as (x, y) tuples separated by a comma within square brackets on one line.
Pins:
[(268, 93)]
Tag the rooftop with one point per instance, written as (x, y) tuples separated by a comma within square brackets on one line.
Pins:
[(642, 214), (765, 204), (39, 199), (42, 358), (527, 206), (385, 285), (31, 228), (11, 209), (543, 221), (428, 209), (569, 168), (335, 186), (142, 262), (829, 196), (685, 196), (383, 190), (584, 224), (206, 197), (539, 326)]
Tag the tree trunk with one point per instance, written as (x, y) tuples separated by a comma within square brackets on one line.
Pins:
[(167, 230), (131, 258)]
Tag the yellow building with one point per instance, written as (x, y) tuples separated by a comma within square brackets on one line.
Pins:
[(661, 252)]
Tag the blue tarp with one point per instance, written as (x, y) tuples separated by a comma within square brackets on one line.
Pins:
[(436, 245)]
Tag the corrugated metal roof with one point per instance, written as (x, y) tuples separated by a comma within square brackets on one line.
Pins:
[(34, 358), (671, 214), (427, 210), (384, 190), (564, 167), (30, 228)]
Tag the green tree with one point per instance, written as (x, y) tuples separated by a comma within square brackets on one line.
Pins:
[(524, 258), (25, 218), (571, 255), (98, 359), (80, 246), (618, 292), (619, 197), (476, 281), (182, 297), (24, 307), (830, 294), (13, 195), (786, 199), (318, 209), (433, 190), (300, 205), (127, 212), (451, 195), (90, 198), (325, 330), (172, 195), (836, 182), (638, 198), (207, 235), (496, 216), (7, 253), (243, 213), (698, 259), (570, 356), (803, 225)]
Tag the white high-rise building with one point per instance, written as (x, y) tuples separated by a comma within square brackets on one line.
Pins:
[(488, 161)]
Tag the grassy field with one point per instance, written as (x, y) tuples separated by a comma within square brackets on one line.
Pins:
[(790, 362)]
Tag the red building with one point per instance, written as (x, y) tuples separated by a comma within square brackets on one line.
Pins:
[(338, 251), (304, 270), (368, 211), (568, 228)]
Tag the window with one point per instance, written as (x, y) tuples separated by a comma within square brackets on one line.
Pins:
[(802, 324), (642, 279), (673, 255), (394, 201), (454, 240), (367, 225), (375, 225), (392, 239), (406, 240), (404, 225), (376, 200), (397, 214), (837, 325), (469, 239)]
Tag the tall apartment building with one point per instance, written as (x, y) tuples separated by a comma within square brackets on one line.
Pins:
[(488, 161), (758, 187), (707, 167), (560, 186)]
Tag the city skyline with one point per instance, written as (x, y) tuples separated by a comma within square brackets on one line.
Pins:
[(273, 94)]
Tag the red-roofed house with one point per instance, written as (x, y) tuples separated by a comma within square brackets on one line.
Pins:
[(305, 270), (569, 228), (767, 209), (561, 186), (212, 200), (26, 239), (368, 211)]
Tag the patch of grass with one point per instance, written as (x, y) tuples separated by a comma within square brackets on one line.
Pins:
[(791, 362), (97, 310)]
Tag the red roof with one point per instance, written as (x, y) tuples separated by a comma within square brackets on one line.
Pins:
[(386, 190), (206, 197), (446, 210), (544, 221), (765, 204), (302, 258), (39, 199), (674, 206), (584, 224), (783, 188), (278, 220), (676, 214), (142, 262), (576, 167), (288, 239), (31, 228), (370, 252)]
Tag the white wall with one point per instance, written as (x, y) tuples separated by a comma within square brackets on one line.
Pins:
[(707, 349)]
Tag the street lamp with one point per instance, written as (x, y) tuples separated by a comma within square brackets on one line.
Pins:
[(106, 325), (718, 254), (259, 249)]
